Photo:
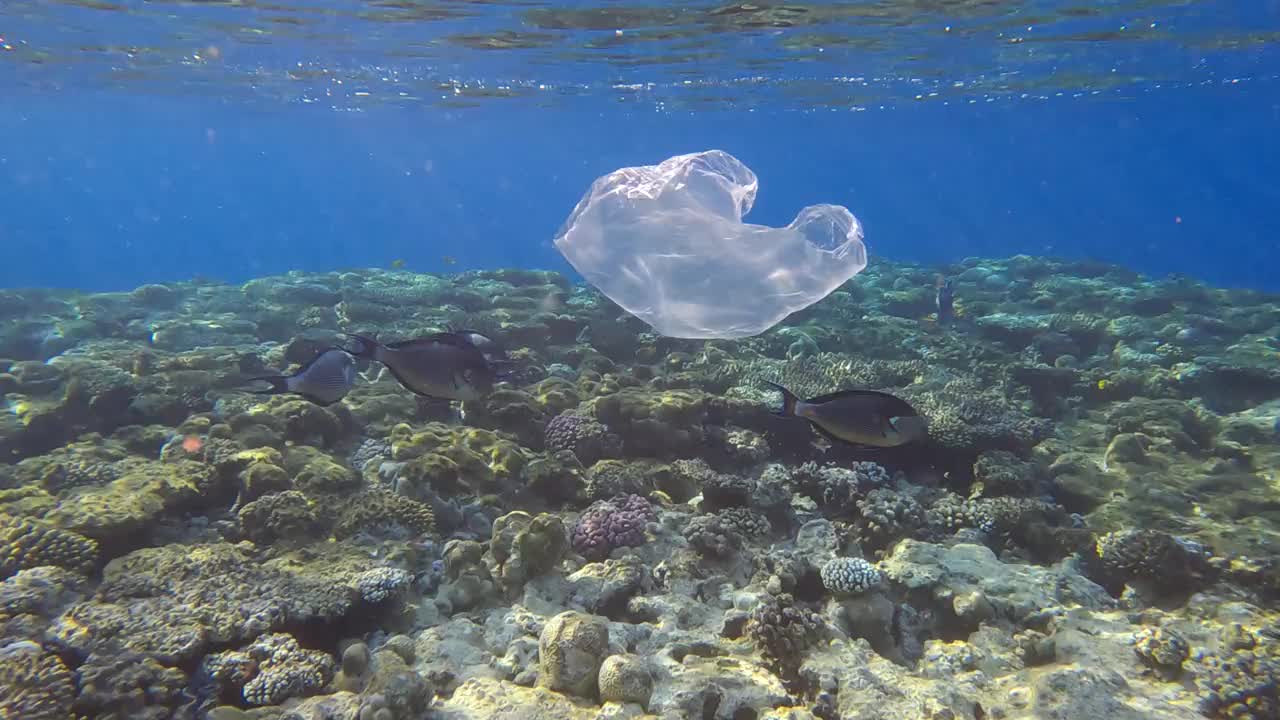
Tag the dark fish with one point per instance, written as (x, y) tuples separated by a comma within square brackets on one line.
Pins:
[(447, 365), (491, 350), (324, 381), (945, 300), (858, 417)]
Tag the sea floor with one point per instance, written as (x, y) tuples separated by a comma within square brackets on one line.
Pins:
[(623, 528)]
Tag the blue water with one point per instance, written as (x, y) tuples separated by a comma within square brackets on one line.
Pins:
[(110, 185)]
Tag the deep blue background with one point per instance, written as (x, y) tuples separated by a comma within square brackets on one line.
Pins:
[(122, 191)]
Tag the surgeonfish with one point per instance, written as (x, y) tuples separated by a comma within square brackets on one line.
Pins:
[(325, 380), (865, 418), (491, 350), (446, 365)]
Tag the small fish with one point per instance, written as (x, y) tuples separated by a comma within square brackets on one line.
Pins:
[(864, 418), (449, 260), (324, 381), (945, 300), (446, 366), (397, 264)]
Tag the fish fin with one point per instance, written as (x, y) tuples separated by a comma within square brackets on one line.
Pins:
[(849, 446), (307, 365), (279, 384), (322, 403), (868, 450), (841, 442), (441, 338), (464, 332), (789, 399), (828, 434), (432, 400), (847, 392), (368, 346)]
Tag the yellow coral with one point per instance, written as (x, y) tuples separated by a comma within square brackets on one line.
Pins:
[(38, 686), (139, 496), (407, 444), (556, 395), (20, 407), (26, 543), (268, 455), (503, 457), (380, 507)]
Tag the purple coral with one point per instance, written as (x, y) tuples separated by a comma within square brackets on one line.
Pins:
[(566, 430), (610, 524), (582, 436)]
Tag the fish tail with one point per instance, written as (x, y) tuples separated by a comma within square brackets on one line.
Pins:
[(789, 400), (279, 384), (368, 346)]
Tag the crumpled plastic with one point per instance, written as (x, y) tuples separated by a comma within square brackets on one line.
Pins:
[(667, 243)]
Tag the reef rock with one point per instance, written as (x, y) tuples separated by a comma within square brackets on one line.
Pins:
[(1021, 594), (571, 649)]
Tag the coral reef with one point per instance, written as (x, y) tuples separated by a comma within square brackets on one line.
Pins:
[(27, 543), (1242, 680), (851, 576), (587, 439), (783, 633), (623, 528), (611, 524), (269, 670), (524, 547), (571, 651), (36, 684)]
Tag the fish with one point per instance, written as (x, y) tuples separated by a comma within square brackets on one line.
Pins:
[(945, 300), (325, 380), (397, 264), (503, 365), (493, 352), (491, 349), (444, 366), (864, 418), (449, 260)]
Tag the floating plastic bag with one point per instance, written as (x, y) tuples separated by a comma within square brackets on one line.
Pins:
[(667, 243)]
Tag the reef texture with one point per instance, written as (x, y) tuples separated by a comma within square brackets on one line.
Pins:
[(622, 528)]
